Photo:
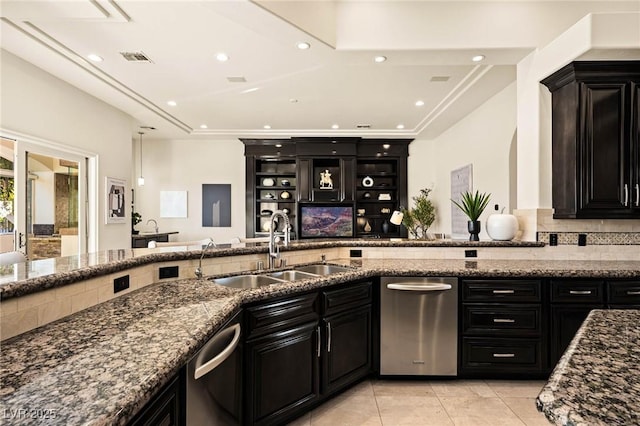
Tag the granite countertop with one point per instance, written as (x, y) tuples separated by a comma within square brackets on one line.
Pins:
[(596, 382), (37, 275), (101, 365), (152, 234)]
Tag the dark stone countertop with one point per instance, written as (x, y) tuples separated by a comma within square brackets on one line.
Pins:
[(145, 235), (37, 275), (101, 365), (597, 380)]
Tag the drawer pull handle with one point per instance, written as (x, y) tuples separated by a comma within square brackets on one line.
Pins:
[(580, 292), (503, 291), (504, 320), (504, 355), (633, 292)]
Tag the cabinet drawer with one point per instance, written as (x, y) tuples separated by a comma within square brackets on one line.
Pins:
[(280, 314), (624, 292), (501, 353), (577, 291), (334, 301), (501, 290), (502, 320)]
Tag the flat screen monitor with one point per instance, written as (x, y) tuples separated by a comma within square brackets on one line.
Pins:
[(326, 220)]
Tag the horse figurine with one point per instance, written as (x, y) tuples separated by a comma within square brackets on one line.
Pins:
[(325, 180)]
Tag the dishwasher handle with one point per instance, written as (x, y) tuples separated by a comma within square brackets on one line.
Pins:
[(426, 286), (204, 367)]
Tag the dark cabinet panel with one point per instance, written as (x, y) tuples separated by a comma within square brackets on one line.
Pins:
[(516, 320), (347, 351), (624, 292), (334, 301), (577, 291), (283, 372), (167, 407), (496, 355), (595, 115), (565, 322), (505, 291), (280, 314)]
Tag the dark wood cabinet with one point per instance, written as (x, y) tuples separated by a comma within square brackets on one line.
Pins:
[(595, 143), (502, 328), (351, 163), (167, 407), (571, 302), (299, 351), (347, 347)]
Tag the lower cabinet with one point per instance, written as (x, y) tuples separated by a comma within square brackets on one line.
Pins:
[(167, 408), (301, 349), (502, 328)]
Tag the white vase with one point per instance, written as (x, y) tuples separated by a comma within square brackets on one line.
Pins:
[(502, 227)]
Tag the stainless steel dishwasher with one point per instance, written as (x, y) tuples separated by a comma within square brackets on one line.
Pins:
[(419, 326), (214, 377)]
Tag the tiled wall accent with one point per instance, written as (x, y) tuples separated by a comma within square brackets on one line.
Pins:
[(25, 313), (44, 247), (593, 238)]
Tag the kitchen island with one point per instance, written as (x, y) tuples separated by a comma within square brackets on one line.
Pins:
[(101, 365), (597, 381)]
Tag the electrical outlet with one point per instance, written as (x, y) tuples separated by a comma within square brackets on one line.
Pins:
[(168, 272), (553, 239), (582, 239), (471, 253), (120, 284), (355, 253)]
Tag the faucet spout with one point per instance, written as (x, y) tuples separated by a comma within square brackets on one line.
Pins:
[(155, 224), (274, 250), (210, 244)]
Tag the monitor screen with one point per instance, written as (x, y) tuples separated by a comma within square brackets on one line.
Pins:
[(326, 221)]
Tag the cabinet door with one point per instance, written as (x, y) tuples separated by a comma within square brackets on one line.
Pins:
[(167, 407), (282, 374), (347, 348), (565, 322), (604, 156)]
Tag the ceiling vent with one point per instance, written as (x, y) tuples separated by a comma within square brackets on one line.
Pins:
[(363, 126), (136, 57), (236, 79), (440, 78)]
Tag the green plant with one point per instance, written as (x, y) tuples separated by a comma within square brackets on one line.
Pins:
[(473, 204), (421, 217), (135, 218)]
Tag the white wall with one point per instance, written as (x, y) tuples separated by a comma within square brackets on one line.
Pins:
[(184, 165), (486, 139), (37, 104)]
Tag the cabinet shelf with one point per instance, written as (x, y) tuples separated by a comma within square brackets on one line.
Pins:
[(276, 188), (271, 174), (377, 188), (376, 174)]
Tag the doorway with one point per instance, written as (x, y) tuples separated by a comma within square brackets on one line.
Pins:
[(50, 212)]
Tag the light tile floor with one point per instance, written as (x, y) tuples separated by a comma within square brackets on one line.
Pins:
[(425, 403)]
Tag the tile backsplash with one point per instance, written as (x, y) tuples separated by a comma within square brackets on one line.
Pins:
[(593, 238)]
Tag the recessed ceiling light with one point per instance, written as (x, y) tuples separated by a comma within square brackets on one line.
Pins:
[(293, 101), (400, 126), (477, 58), (335, 126), (386, 146), (303, 45), (266, 126), (172, 103), (203, 126), (222, 57), (380, 59), (253, 89), (95, 58), (278, 145), (419, 103)]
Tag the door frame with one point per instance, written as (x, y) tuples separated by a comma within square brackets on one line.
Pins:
[(87, 184)]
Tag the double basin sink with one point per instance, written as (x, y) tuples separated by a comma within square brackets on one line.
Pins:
[(298, 273)]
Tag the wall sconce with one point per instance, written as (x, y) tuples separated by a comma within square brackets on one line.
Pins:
[(397, 216), (141, 178)]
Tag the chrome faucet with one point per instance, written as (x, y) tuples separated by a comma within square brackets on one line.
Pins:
[(210, 244), (274, 249), (155, 224)]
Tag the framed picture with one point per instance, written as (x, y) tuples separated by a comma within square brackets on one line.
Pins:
[(216, 205), (115, 211)]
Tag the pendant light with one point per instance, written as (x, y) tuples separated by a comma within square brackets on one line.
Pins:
[(141, 178)]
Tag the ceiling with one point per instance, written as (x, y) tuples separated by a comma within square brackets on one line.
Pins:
[(268, 81)]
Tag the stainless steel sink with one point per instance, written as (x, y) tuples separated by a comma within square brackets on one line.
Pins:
[(323, 269), (292, 275), (247, 281)]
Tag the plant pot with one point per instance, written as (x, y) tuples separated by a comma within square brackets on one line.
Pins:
[(473, 226), (134, 232)]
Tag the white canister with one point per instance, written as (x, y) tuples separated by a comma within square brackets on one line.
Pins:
[(502, 227)]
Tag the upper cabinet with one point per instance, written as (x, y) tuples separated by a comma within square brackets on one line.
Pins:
[(596, 140), (367, 176)]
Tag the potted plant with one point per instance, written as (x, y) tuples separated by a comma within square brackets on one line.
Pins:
[(473, 205), (136, 218), (421, 217)]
